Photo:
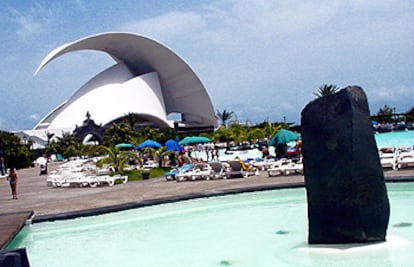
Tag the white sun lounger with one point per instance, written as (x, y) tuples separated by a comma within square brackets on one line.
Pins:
[(196, 173), (235, 170), (217, 170), (388, 160), (285, 167), (405, 159)]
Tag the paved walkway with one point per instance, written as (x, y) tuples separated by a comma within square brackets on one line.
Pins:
[(55, 203)]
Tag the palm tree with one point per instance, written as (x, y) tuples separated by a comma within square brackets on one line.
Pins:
[(132, 119), (255, 134), (119, 133), (115, 157), (49, 136), (326, 89), (385, 114), (67, 145), (410, 114), (222, 134), (224, 116), (238, 132)]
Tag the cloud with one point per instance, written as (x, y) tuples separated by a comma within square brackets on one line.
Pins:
[(249, 50), (400, 97), (30, 22), (167, 26), (34, 117), (81, 5), (260, 59)]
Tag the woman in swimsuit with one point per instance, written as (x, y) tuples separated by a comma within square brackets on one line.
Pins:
[(13, 182)]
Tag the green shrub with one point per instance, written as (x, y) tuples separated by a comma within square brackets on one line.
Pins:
[(135, 175)]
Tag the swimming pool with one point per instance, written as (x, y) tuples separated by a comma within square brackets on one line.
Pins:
[(395, 139), (251, 229)]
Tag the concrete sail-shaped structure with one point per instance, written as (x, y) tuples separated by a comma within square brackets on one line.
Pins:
[(147, 79)]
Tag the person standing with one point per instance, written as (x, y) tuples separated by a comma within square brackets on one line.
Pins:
[(2, 166), (12, 178), (2, 162)]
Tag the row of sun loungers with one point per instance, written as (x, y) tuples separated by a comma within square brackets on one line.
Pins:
[(397, 159), (209, 171), (234, 169), (285, 167), (81, 180), (83, 173)]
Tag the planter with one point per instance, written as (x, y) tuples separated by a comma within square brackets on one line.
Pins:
[(145, 175)]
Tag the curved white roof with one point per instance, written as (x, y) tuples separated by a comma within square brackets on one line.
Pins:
[(148, 79)]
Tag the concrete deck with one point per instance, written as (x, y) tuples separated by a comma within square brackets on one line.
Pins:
[(40, 202)]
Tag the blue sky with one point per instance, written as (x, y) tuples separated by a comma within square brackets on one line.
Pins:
[(263, 60)]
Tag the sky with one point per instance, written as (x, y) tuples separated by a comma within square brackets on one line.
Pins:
[(262, 60)]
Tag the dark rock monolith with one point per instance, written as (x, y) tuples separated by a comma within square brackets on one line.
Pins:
[(345, 187), (14, 258)]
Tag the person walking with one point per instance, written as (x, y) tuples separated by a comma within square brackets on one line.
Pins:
[(12, 178)]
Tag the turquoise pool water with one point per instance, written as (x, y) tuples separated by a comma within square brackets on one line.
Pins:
[(252, 229), (395, 139)]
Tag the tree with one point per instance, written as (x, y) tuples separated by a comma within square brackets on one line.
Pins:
[(67, 145), (49, 136), (238, 132), (222, 134), (119, 133), (410, 114), (326, 89), (384, 114), (15, 153), (115, 157), (270, 129), (131, 119), (255, 134), (224, 116)]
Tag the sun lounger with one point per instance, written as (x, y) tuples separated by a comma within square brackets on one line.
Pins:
[(235, 170), (388, 160), (171, 175), (200, 172), (107, 179), (67, 178), (262, 164), (194, 172), (405, 159), (285, 167), (150, 164), (292, 168), (76, 179), (184, 174), (217, 170), (56, 180), (275, 167)]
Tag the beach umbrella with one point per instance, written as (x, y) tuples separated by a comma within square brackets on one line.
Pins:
[(194, 140), (124, 145), (283, 136), (172, 145), (149, 143)]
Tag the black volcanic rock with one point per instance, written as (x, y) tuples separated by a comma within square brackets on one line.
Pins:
[(346, 193)]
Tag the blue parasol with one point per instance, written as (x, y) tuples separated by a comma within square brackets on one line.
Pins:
[(149, 143), (172, 145)]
